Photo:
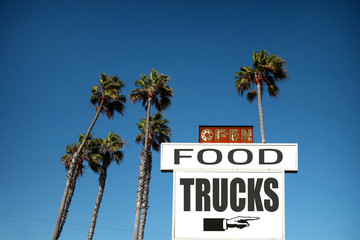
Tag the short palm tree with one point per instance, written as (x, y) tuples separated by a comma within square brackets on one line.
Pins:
[(85, 155), (150, 90), (107, 98), (108, 151), (159, 132), (267, 69)]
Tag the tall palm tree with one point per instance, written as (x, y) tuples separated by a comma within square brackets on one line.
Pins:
[(107, 99), (85, 155), (108, 151), (150, 90), (268, 69), (159, 132)]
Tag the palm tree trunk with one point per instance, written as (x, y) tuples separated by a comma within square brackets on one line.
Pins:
[(146, 141), (102, 180), (68, 200), (262, 127), (139, 193), (143, 159), (145, 196), (70, 177)]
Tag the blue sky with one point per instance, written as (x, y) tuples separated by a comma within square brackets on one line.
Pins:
[(53, 52)]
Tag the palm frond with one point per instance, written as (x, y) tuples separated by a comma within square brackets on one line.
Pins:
[(273, 90), (276, 66), (244, 79), (138, 95), (251, 95), (141, 81)]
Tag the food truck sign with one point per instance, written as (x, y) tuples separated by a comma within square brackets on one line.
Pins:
[(228, 190)]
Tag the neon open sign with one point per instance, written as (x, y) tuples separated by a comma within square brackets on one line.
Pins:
[(225, 134)]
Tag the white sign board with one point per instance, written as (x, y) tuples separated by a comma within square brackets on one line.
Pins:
[(229, 156), (228, 205)]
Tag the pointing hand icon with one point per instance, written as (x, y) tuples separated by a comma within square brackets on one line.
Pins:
[(239, 222), (221, 224)]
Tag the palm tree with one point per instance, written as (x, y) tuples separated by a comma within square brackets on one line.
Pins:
[(150, 90), (107, 99), (108, 151), (159, 132), (268, 69), (85, 155)]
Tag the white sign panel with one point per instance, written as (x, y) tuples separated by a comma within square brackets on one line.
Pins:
[(228, 205), (227, 156)]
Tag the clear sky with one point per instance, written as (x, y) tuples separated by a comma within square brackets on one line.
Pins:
[(53, 52)]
